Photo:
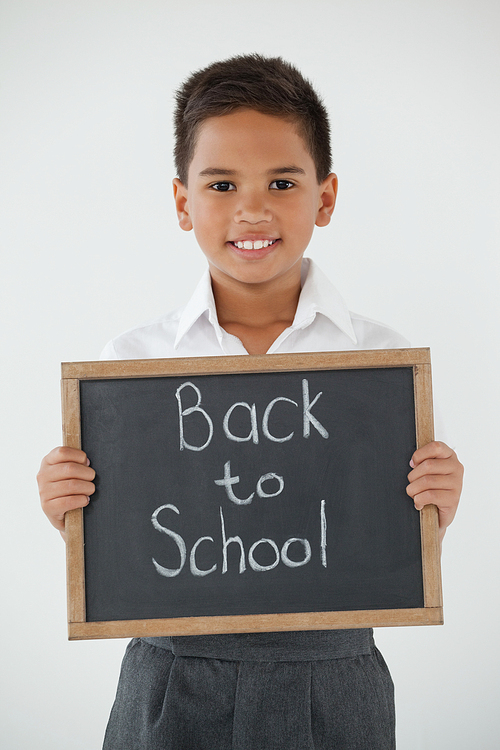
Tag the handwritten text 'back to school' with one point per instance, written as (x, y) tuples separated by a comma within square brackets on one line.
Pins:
[(295, 552)]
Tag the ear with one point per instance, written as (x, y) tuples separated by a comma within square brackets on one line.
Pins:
[(181, 205), (327, 197)]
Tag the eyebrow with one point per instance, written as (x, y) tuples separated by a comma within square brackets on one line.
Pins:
[(220, 172), (286, 170), (216, 171)]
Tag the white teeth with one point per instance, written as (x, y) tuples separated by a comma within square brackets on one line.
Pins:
[(257, 245)]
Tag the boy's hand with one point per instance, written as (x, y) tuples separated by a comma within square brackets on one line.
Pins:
[(436, 479), (65, 482)]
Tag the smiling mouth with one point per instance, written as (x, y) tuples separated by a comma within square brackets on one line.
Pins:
[(254, 244)]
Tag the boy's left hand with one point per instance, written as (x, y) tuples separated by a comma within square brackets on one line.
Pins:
[(436, 479)]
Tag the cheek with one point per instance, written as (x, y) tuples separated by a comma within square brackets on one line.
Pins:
[(208, 212), (302, 217), (207, 227)]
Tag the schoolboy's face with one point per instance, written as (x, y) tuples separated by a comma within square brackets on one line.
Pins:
[(252, 197)]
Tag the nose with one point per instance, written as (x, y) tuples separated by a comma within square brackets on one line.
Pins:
[(253, 207)]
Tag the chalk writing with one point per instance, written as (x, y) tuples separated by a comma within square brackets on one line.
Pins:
[(268, 485), (190, 410), (229, 481), (308, 419), (225, 540)]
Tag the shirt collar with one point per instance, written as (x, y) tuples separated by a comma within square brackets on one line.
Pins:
[(318, 295), (201, 303)]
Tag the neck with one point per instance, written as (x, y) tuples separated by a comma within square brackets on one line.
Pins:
[(256, 313)]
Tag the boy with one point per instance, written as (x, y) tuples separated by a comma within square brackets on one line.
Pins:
[(253, 160)]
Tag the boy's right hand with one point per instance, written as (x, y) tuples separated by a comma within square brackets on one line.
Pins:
[(65, 482)]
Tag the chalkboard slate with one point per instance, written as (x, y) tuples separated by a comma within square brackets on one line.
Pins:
[(229, 500)]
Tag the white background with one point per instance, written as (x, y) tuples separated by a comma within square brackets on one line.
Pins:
[(90, 247)]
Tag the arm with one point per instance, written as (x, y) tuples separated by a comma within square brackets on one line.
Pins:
[(65, 482), (436, 479)]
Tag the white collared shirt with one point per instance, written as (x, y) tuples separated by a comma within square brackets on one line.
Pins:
[(322, 323)]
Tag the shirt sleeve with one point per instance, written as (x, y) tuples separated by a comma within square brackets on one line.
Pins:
[(109, 352)]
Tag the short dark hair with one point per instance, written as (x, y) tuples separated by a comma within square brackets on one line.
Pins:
[(266, 84)]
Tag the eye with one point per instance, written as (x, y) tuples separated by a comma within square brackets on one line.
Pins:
[(281, 185), (222, 187)]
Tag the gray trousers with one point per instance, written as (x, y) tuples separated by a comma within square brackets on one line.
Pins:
[(171, 697)]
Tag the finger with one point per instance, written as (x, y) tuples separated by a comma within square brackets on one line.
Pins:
[(58, 472), (444, 500), (432, 483), (56, 509), (436, 449), (66, 488), (443, 466), (64, 454)]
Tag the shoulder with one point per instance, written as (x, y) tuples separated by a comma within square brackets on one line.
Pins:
[(340, 327), (371, 334), (151, 339)]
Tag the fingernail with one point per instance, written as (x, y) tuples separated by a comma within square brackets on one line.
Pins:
[(412, 464), (88, 461)]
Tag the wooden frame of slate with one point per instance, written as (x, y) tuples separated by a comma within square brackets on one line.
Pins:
[(250, 494)]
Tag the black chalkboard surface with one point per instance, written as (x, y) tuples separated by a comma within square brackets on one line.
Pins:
[(261, 499)]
